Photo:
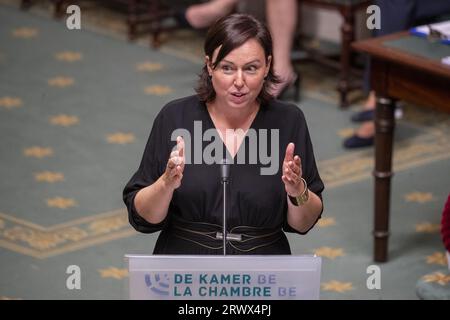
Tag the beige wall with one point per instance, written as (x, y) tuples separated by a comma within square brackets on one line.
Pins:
[(325, 24)]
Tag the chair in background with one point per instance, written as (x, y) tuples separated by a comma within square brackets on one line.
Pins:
[(142, 16), (348, 10)]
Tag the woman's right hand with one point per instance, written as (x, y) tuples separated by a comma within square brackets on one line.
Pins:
[(175, 166)]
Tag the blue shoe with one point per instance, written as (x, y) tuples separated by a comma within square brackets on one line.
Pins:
[(357, 142), (362, 116)]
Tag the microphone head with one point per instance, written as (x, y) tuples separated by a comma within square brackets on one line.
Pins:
[(225, 170)]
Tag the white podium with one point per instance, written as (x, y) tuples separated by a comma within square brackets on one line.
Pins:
[(249, 277)]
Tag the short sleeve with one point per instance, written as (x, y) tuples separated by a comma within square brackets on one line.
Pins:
[(150, 169), (304, 148)]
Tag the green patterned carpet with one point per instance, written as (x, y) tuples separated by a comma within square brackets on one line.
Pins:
[(76, 109)]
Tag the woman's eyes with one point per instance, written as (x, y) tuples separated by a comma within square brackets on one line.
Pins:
[(229, 69)]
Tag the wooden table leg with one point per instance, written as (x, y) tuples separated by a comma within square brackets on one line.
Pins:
[(384, 126)]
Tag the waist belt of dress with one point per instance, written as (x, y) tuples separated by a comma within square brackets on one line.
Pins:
[(208, 235)]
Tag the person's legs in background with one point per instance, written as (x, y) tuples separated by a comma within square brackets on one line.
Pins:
[(282, 21), (203, 15), (396, 15)]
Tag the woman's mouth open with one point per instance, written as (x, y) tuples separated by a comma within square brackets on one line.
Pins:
[(238, 97)]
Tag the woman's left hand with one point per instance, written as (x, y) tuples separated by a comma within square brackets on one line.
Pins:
[(292, 172)]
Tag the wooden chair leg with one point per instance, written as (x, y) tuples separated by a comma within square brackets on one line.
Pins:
[(132, 19), (155, 29), (58, 8), (25, 4), (348, 35)]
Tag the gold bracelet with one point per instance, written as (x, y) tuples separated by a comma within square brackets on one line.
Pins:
[(301, 199)]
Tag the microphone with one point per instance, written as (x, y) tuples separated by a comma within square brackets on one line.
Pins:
[(225, 170), (225, 176)]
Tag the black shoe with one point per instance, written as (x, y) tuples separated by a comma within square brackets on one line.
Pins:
[(358, 142), (295, 85), (362, 116)]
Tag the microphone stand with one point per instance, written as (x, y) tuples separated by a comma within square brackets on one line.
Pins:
[(225, 178)]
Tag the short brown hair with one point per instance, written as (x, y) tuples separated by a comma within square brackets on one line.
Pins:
[(231, 32)]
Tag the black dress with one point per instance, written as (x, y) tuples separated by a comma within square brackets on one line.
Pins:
[(257, 202)]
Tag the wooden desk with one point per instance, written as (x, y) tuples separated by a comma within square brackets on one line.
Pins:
[(397, 73)]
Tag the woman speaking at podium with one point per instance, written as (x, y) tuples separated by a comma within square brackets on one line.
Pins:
[(274, 185)]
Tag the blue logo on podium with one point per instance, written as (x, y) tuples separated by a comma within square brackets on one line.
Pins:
[(158, 284)]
